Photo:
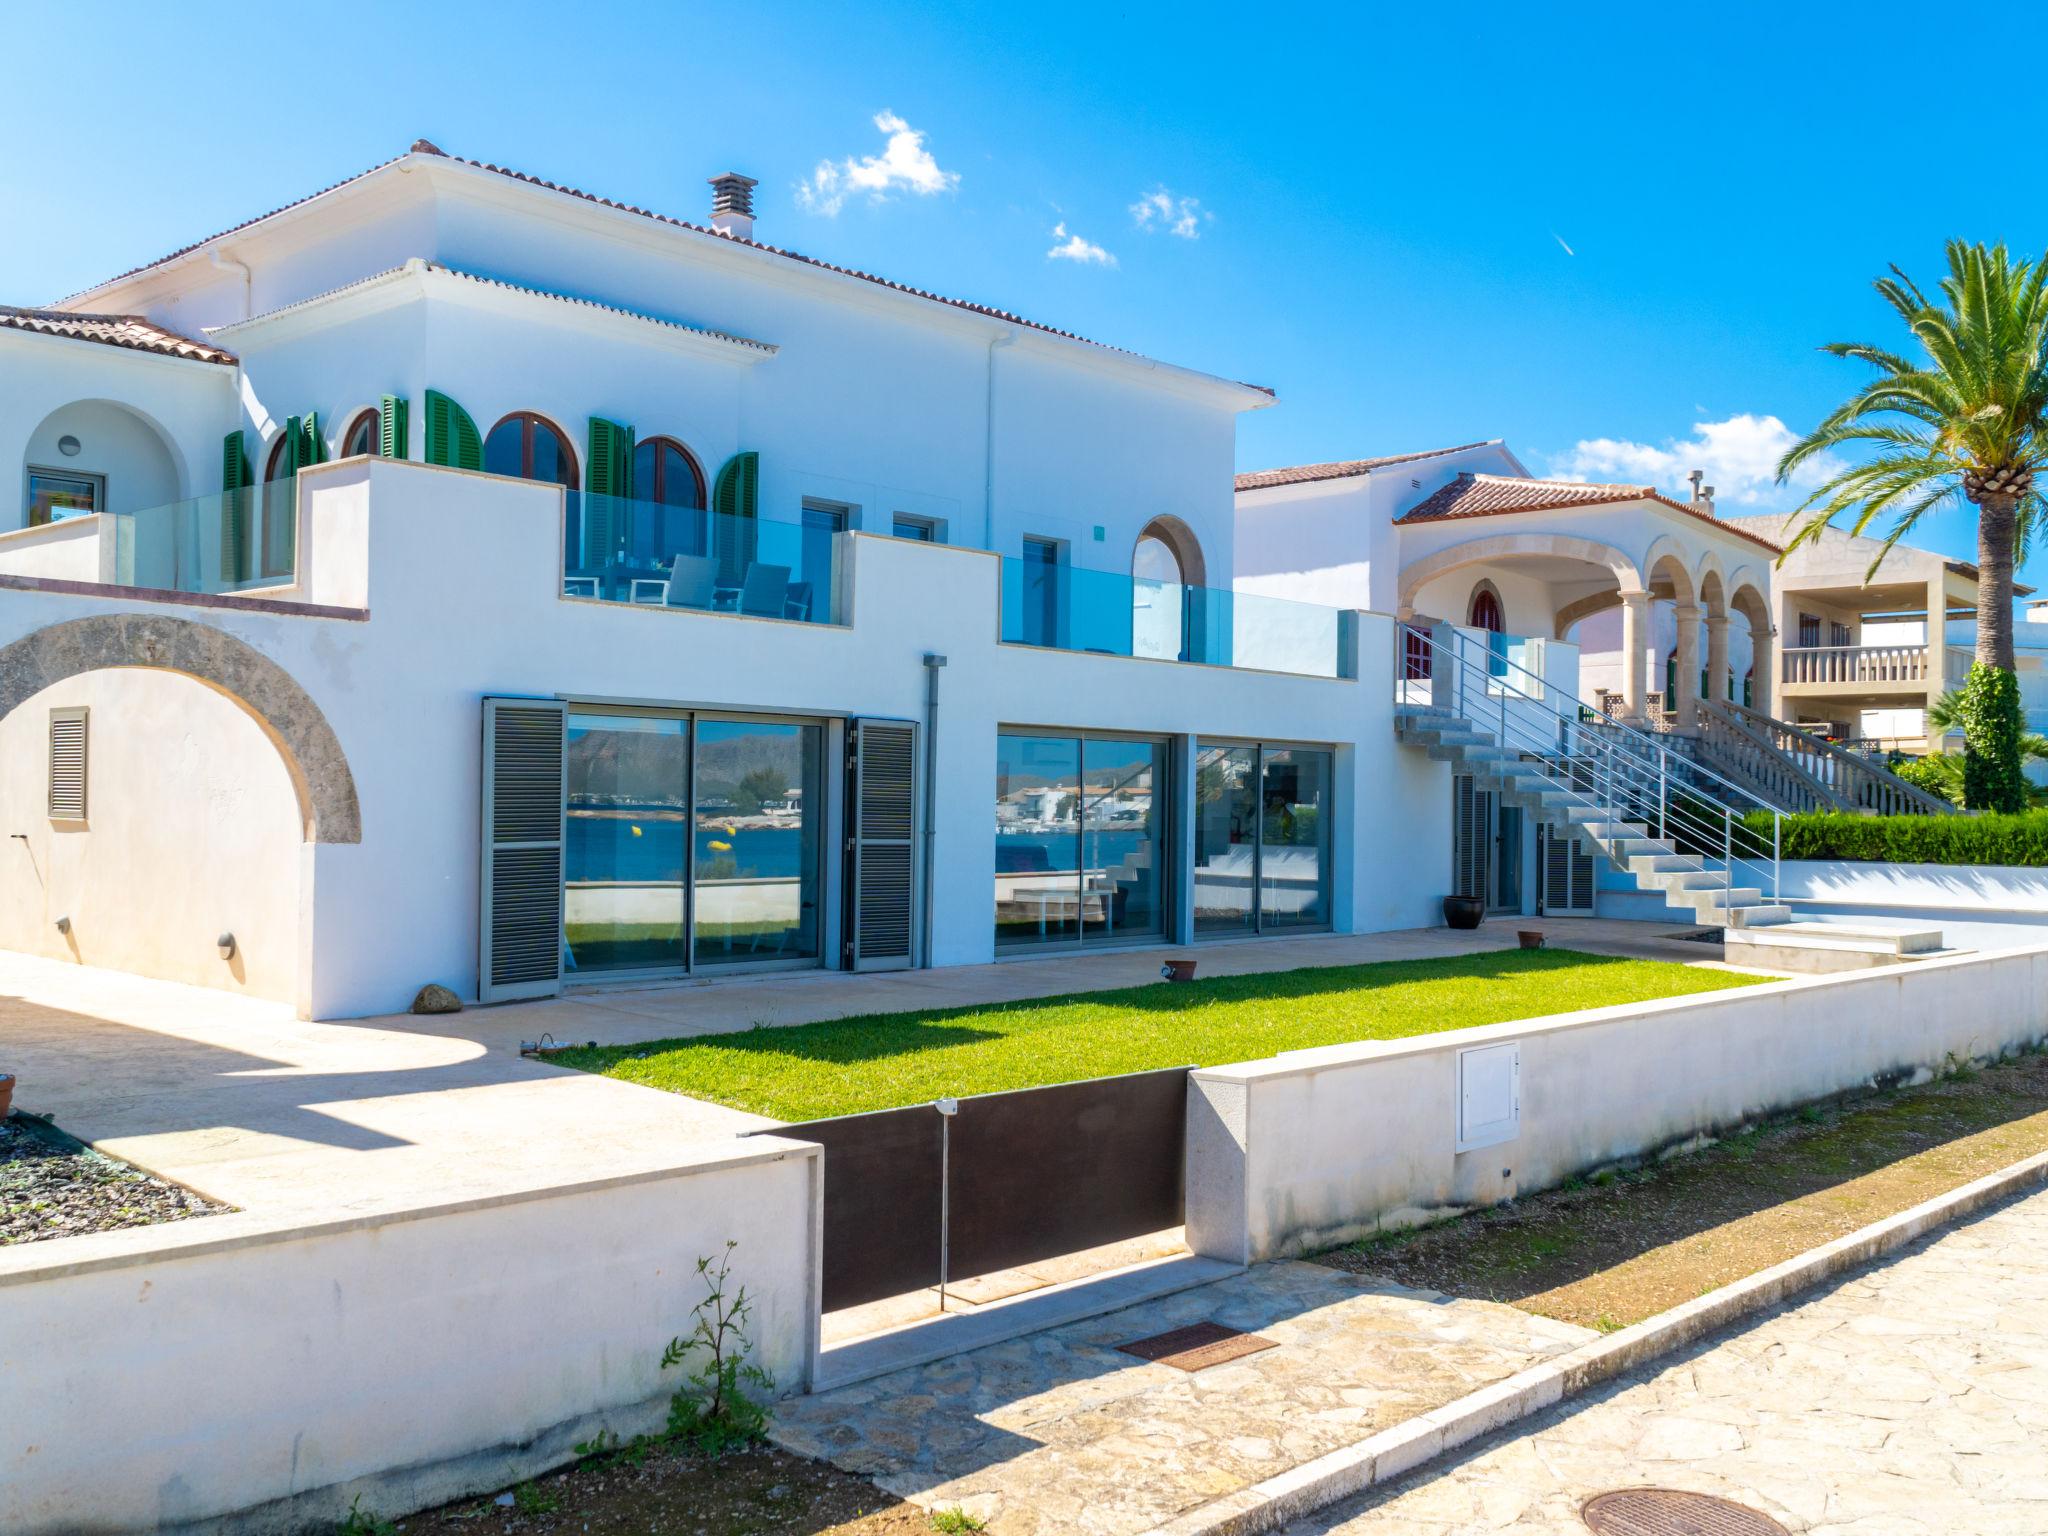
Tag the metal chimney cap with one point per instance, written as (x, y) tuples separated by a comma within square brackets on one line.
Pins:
[(732, 193)]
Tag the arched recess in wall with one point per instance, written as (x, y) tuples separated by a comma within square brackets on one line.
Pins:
[(1486, 611), (1179, 542), (96, 455), (329, 811)]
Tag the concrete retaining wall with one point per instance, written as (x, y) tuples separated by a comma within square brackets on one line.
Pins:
[(206, 1376), (1318, 1147)]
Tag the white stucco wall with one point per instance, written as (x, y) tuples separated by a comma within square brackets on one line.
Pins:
[(461, 576), (192, 831), (1319, 1147), (411, 1359)]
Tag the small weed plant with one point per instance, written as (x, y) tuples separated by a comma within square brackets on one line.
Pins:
[(362, 1522), (717, 1409), (532, 1499), (956, 1521)]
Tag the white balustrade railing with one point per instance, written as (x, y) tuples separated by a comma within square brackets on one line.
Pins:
[(1856, 665)]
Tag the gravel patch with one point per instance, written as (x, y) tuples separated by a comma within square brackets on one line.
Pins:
[(53, 1186)]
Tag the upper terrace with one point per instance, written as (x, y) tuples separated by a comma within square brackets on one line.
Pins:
[(654, 555)]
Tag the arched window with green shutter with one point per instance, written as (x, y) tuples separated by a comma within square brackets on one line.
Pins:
[(391, 427), (452, 438), (735, 505)]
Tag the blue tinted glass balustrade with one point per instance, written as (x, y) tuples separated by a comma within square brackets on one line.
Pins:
[(231, 541), (1068, 609), (621, 551)]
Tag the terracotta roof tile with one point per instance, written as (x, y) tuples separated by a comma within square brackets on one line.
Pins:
[(424, 147), (130, 331), (1299, 474), (1473, 495)]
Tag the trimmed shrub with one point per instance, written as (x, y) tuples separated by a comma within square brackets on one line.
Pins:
[(1990, 839), (1992, 727), (1940, 775)]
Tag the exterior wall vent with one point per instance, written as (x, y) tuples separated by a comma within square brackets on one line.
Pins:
[(67, 764)]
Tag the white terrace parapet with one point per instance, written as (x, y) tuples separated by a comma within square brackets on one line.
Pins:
[(76, 549)]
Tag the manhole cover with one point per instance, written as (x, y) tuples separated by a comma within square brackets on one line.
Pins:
[(1197, 1346), (1667, 1512)]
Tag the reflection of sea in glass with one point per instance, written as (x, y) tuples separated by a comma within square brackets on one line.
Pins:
[(756, 827), (623, 863), (1037, 839)]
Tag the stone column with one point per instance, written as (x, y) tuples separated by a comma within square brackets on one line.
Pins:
[(1635, 636), (1937, 648), (1717, 656), (1763, 664), (1686, 690)]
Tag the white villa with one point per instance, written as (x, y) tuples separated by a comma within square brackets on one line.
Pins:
[(455, 577)]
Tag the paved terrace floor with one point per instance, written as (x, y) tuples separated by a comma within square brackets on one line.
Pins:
[(298, 1123)]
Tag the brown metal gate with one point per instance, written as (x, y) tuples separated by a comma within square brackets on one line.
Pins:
[(1017, 1177)]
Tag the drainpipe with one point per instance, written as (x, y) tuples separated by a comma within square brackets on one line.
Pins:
[(932, 663), (223, 262), (988, 486)]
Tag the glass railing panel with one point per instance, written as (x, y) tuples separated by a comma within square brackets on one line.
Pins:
[(1067, 608), (625, 551), (230, 541)]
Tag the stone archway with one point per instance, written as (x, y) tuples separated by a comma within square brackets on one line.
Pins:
[(1179, 538), (287, 715), (1563, 546)]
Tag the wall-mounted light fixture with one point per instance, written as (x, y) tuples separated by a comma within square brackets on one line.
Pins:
[(64, 924), (226, 945), (68, 446)]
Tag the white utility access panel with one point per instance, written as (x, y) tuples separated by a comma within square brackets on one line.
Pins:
[(1489, 1095)]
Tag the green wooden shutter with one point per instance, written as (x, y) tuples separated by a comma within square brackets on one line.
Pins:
[(391, 424), (308, 446), (452, 438), (235, 481), (736, 503), (607, 482)]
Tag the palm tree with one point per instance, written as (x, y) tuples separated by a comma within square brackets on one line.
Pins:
[(1968, 424)]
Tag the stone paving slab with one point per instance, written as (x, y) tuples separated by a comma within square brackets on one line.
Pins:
[(1059, 1431), (1909, 1400)]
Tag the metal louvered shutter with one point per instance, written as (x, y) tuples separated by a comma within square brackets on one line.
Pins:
[(882, 756), (520, 943), (67, 764), (1468, 838), (1567, 874)]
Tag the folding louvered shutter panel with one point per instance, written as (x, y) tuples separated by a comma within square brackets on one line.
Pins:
[(452, 438), (1468, 840), (608, 477), (392, 412), (67, 764), (234, 509), (1567, 874), (736, 499), (884, 760), (520, 947)]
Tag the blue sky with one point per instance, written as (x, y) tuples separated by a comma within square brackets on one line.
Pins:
[(1586, 229)]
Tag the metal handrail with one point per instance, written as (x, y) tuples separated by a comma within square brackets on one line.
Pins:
[(1858, 773), (1604, 765)]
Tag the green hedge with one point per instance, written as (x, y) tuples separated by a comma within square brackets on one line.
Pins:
[(1988, 839)]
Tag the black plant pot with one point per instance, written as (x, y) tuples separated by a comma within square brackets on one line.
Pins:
[(1463, 911)]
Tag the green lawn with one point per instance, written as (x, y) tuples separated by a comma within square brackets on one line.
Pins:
[(808, 1071)]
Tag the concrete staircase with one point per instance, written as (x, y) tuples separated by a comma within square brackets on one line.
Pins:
[(1551, 792)]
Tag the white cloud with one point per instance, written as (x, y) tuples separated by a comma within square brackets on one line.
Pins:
[(1161, 209), (904, 165), (1068, 247), (1740, 457)]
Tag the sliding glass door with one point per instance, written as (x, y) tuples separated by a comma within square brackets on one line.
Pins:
[(1080, 840), (1262, 840), (691, 841), (757, 841)]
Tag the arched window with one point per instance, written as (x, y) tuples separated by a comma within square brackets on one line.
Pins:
[(1486, 614), (529, 447), (1166, 563), (667, 477), (1486, 610), (361, 437), (279, 465)]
